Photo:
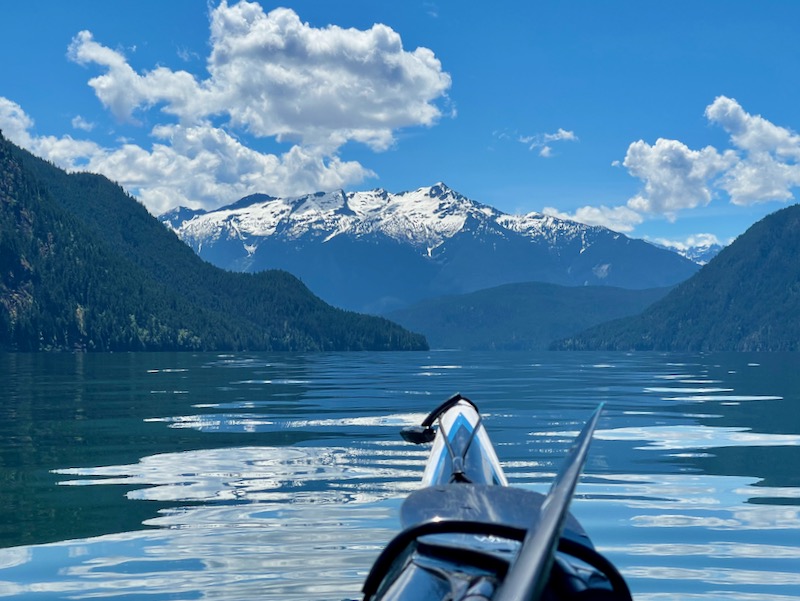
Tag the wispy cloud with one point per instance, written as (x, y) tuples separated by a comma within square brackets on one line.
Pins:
[(270, 76), (432, 9), (619, 219), (79, 122), (187, 55), (543, 142)]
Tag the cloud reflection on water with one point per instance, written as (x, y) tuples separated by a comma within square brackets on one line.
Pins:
[(287, 474), (697, 436), (248, 522)]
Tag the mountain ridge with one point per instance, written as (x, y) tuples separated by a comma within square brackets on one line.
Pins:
[(526, 316), (434, 241)]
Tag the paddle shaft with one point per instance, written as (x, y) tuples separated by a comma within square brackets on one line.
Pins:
[(528, 576)]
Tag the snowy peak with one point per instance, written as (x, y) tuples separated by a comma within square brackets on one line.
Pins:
[(321, 203), (376, 250), (699, 251), (178, 216), (423, 218)]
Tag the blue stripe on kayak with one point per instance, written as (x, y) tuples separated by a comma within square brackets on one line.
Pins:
[(459, 422), (463, 422)]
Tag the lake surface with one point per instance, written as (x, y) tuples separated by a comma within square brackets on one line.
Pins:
[(180, 476)]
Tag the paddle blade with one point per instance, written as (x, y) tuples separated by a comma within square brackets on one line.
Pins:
[(528, 576)]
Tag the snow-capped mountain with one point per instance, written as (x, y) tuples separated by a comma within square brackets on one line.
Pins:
[(701, 252), (375, 251)]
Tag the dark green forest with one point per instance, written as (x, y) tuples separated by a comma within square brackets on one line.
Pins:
[(746, 299), (525, 316), (84, 266)]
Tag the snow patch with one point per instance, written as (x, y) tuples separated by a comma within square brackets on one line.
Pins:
[(601, 271)]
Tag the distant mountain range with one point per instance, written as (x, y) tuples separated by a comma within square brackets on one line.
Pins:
[(528, 316), (700, 253), (746, 299), (377, 251), (83, 266)]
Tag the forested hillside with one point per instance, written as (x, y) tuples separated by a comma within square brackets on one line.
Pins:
[(746, 299), (83, 265), (526, 316)]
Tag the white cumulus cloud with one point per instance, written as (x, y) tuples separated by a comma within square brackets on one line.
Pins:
[(14, 122), (619, 219), (269, 75), (66, 152), (762, 165), (190, 165), (768, 169), (753, 133), (675, 177), (275, 76), (278, 76), (692, 241)]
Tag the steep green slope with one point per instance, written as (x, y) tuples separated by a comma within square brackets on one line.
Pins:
[(746, 299), (520, 316), (83, 265)]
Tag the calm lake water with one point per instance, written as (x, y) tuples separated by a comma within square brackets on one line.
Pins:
[(180, 476)]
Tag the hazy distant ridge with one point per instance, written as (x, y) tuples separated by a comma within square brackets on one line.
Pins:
[(529, 316)]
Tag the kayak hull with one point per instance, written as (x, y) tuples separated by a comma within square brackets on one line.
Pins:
[(462, 436), (469, 536)]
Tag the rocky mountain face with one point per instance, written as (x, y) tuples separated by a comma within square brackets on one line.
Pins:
[(376, 251)]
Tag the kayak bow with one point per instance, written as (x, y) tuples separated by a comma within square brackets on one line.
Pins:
[(468, 536)]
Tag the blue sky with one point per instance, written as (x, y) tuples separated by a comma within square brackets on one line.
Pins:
[(664, 120)]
